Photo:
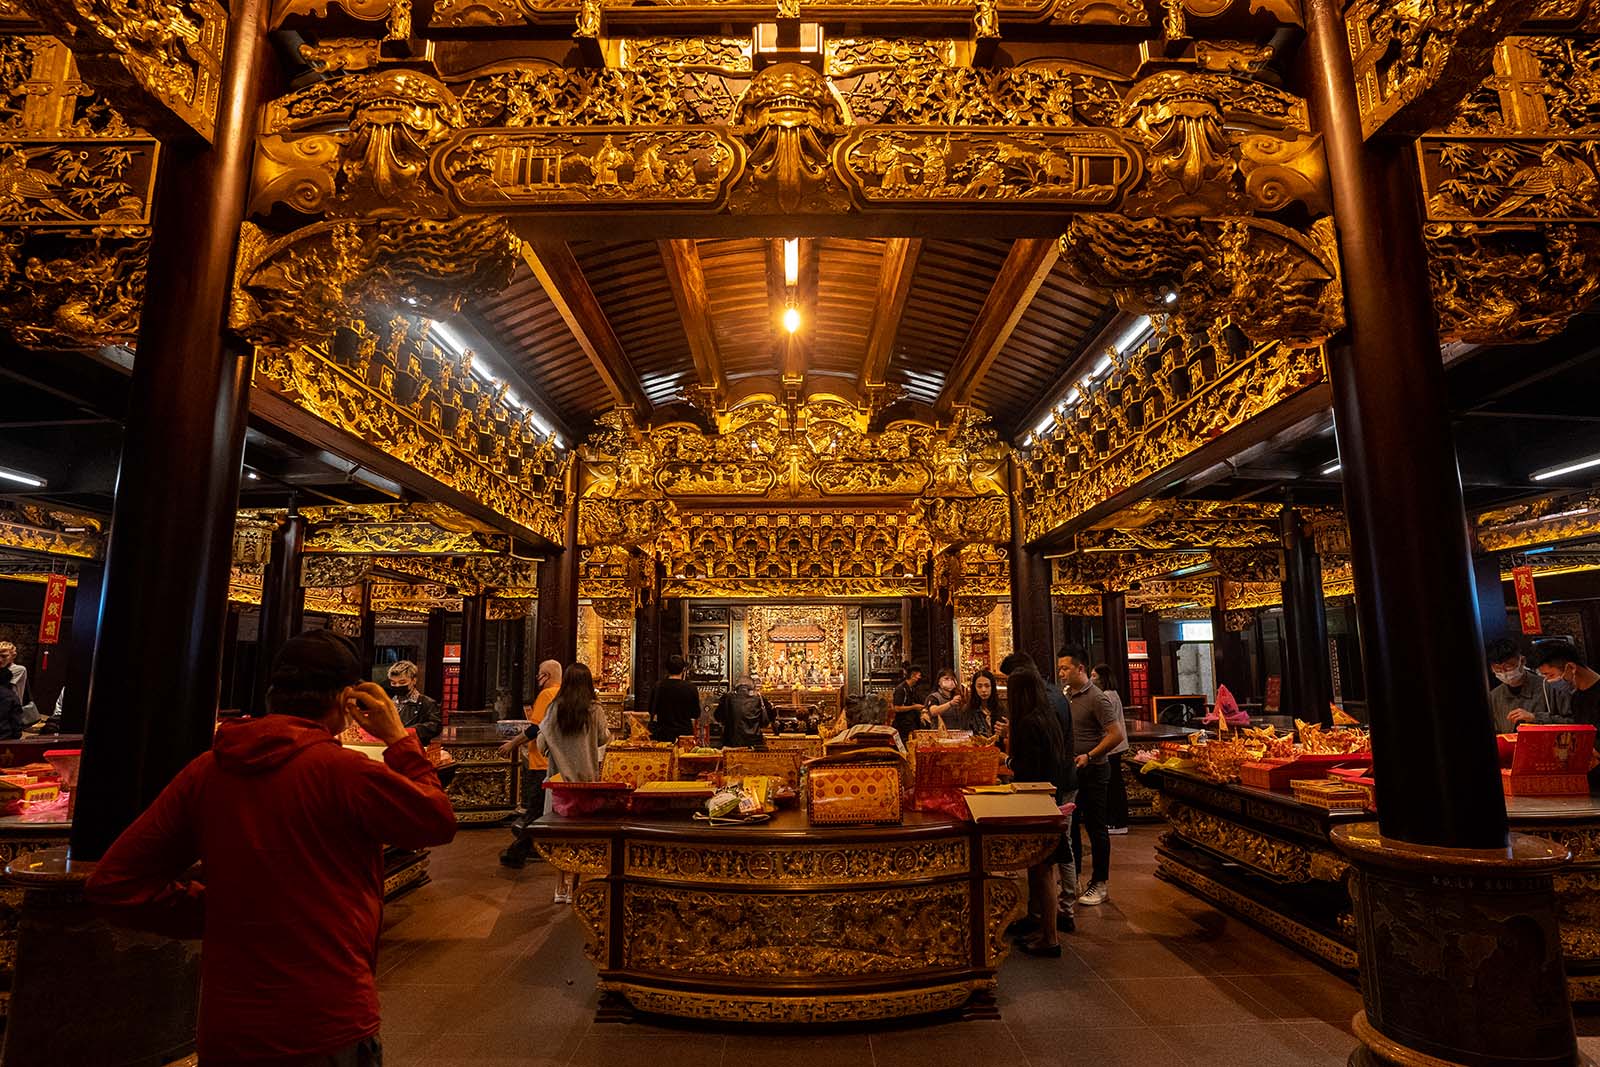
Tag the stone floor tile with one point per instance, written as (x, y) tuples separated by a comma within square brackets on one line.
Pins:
[(1137, 1046), (1186, 1001), (1256, 1044)]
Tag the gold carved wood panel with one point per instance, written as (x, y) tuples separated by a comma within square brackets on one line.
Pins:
[(684, 931)]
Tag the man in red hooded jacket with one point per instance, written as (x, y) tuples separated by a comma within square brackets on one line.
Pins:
[(289, 828)]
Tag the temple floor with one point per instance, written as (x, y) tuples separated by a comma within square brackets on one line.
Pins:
[(479, 967)]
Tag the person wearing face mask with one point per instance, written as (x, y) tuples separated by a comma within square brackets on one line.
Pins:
[(1522, 695), (1562, 664), (288, 828), (417, 709), (944, 700)]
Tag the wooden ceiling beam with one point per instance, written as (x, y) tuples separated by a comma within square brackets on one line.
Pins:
[(686, 275), (1026, 267), (895, 272), (557, 269)]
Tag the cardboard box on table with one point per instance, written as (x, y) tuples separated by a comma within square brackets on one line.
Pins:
[(636, 765)]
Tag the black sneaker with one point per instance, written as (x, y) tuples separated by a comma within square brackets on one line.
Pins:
[(1039, 948), (1022, 927), (1066, 923), (513, 858)]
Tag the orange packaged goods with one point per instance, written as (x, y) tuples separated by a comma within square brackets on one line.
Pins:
[(1276, 774), (943, 770), (634, 765), (1549, 761), (1331, 793), (780, 763), (854, 788)]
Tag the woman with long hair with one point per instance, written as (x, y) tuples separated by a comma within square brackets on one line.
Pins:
[(573, 738), (1039, 753), (981, 711)]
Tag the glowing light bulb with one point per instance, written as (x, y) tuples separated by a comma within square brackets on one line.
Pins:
[(791, 318)]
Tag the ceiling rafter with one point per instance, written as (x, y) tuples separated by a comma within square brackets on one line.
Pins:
[(1026, 267), (896, 270), (557, 269), (1100, 338), (686, 275)]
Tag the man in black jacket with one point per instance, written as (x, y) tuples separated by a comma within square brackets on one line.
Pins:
[(417, 709), (10, 706)]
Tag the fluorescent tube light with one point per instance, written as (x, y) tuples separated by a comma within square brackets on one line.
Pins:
[(1566, 468), (1332, 468), (791, 262), (1134, 334), (22, 478), (1539, 551)]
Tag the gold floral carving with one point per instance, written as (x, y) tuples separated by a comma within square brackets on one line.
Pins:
[(727, 934), (1100, 13), (159, 62), (1500, 284), (737, 551), (797, 1010), (1546, 521), (401, 538), (913, 167), (49, 542), (1274, 857), (846, 56), (1005, 900), (1178, 392), (76, 188), (575, 168), (592, 904), (796, 865), (577, 855), (1414, 60), (1273, 282), (1013, 852), (729, 55)]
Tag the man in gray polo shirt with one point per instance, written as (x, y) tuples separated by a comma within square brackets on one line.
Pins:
[(1096, 731)]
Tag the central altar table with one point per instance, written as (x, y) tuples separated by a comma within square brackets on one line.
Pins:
[(783, 922)]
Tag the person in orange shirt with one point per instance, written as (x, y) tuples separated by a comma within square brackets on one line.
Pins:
[(516, 854)]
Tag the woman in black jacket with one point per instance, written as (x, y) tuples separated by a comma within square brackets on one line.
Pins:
[(1039, 753)]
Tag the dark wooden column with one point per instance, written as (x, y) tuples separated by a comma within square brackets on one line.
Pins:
[(1150, 628), (1491, 594), (941, 637), (1114, 617), (1434, 751), (368, 640), (80, 661), (1308, 682), (1438, 870), (153, 699), (474, 652), (647, 646), (433, 656), (517, 639), (1229, 656), (283, 601), (1030, 589), (557, 633)]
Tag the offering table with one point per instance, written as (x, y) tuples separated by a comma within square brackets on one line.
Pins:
[(1267, 858), (782, 922)]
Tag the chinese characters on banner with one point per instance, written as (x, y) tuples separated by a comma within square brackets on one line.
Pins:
[(1527, 602), (55, 601)]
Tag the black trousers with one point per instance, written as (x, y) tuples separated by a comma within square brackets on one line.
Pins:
[(533, 801), (1090, 816), (1116, 793)]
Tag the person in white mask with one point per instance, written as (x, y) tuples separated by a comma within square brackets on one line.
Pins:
[(1522, 695)]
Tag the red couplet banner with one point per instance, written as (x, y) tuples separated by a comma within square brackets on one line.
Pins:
[(1527, 601), (55, 602)]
